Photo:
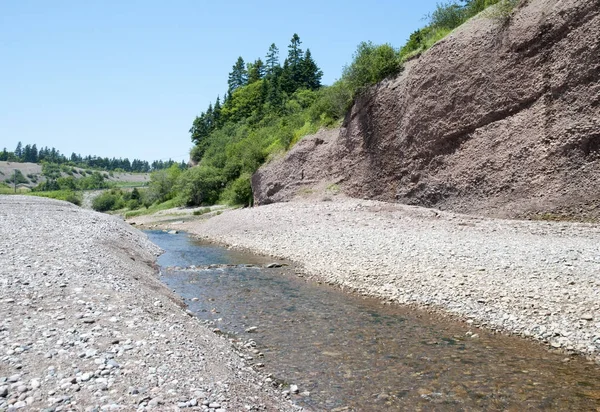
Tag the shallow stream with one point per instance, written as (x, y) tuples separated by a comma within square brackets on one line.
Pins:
[(349, 353)]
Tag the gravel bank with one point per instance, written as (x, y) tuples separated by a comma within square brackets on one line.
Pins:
[(86, 325), (535, 279)]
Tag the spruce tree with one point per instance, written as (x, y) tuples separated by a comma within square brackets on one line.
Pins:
[(19, 151), (217, 113), (34, 153), (293, 70), (256, 71), (311, 74), (295, 53), (238, 76), (272, 60), (27, 153)]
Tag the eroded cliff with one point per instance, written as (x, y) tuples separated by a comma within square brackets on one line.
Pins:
[(500, 118)]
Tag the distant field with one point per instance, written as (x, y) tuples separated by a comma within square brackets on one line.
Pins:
[(33, 174)]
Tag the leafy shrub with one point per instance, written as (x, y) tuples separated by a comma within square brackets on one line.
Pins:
[(51, 171), (202, 211), (133, 204), (200, 185), (17, 177), (73, 198), (93, 180), (66, 169), (104, 202), (162, 184), (332, 103), (502, 9), (109, 200), (448, 15), (370, 65), (238, 192)]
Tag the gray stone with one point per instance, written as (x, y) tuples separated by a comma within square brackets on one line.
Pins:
[(112, 363)]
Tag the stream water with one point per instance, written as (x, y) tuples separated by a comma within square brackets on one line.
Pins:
[(349, 353)]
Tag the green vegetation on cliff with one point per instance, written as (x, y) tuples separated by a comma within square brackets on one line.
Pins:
[(268, 107), (448, 16), (266, 110)]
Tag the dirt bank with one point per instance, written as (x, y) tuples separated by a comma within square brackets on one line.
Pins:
[(536, 279), (85, 324)]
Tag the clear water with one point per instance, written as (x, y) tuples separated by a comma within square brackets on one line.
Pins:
[(355, 354)]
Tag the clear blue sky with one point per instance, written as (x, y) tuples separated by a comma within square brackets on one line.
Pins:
[(126, 78)]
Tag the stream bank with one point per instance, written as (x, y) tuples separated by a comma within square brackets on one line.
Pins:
[(330, 350), (539, 280), (86, 325)]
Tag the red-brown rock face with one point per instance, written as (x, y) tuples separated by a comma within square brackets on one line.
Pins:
[(500, 119)]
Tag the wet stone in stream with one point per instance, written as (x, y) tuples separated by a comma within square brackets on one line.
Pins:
[(345, 352)]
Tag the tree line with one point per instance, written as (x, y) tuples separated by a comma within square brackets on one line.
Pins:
[(30, 153), (258, 88)]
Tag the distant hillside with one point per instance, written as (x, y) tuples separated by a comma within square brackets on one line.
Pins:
[(500, 118), (32, 174)]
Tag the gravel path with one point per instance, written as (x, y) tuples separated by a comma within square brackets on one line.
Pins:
[(536, 279), (86, 325)]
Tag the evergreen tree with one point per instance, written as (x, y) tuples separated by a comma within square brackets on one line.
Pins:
[(272, 60), (310, 74), (34, 153), (209, 119), (286, 80), (4, 155), (217, 113), (256, 71), (238, 76), (293, 67), (275, 89), (19, 151), (295, 53), (27, 153)]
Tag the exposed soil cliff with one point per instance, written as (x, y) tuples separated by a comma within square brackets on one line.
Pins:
[(499, 118)]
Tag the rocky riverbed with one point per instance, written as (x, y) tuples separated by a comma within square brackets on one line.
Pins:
[(537, 279), (85, 324)]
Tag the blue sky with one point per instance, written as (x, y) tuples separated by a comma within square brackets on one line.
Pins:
[(126, 78)]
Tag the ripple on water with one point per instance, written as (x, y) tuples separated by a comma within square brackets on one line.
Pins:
[(353, 353)]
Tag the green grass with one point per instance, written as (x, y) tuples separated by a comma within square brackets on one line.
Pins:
[(169, 204), (7, 190), (66, 195)]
